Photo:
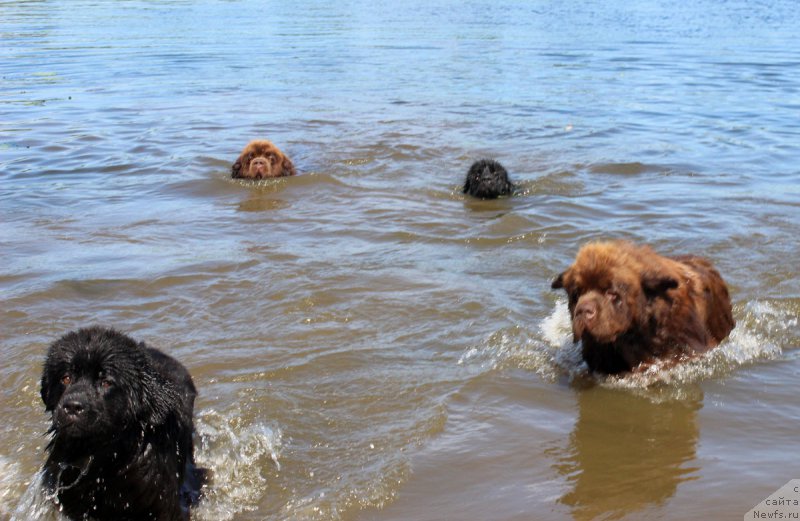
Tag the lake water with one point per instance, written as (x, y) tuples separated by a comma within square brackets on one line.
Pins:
[(368, 344)]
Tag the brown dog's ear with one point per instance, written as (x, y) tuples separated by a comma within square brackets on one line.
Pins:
[(559, 282), (287, 168), (236, 169), (655, 283)]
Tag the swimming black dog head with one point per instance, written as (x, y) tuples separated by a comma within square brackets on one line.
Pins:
[(487, 179), (98, 382)]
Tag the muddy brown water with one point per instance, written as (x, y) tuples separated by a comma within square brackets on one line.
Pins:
[(368, 344)]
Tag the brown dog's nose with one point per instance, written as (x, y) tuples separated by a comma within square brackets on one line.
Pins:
[(586, 310), (73, 408)]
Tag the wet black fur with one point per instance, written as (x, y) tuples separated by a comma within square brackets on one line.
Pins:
[(487, 179), (121, 434)]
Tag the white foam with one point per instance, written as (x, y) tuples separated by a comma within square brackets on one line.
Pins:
[(556, 328), (9, 478), (235, 453), (761, 331), (35, 504)]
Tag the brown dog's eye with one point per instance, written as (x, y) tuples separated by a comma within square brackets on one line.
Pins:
[(272, 158), (66, 380), (613, 296)]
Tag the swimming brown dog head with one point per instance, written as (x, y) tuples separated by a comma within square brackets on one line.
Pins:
[(261, 159), (630, 306)]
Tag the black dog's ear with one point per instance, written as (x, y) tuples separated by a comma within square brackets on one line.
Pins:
[(472, 175), (156, 396), (558, 283), (48, 391), (53, 370), (236, 170), (655, 283), (161, 400)]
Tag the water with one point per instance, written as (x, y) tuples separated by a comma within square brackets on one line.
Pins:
[(368, 344)]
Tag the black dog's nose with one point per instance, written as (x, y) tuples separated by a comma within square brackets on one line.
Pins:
[(73, 408)]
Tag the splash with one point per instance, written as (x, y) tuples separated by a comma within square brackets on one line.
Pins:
[(233, 450), (762, 332), (9, 479), (548, 350), (556, 331), (761, 329), (36, 504), (236, 453)]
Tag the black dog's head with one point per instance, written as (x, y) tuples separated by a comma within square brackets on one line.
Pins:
[(487, 179), (97, 383)]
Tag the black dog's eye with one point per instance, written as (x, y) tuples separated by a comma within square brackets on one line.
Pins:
[(102, 379), (66, 380), (105, 381)]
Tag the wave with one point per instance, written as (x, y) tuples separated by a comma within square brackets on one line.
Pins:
[(279, 183), (764, 330)]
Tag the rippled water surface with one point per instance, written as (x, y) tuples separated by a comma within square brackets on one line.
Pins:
[(367, 343)]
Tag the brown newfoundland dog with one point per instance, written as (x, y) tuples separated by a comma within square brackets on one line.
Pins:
[(121, 446), (261, 159), (631, 307)]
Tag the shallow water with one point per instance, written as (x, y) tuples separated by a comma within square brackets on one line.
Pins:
[(367, 343)]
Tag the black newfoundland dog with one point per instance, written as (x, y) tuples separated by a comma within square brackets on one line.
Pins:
[(121, 446), (487, 179)]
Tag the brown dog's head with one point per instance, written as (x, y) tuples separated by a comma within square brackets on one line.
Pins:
[(260, 159), (609, 286)]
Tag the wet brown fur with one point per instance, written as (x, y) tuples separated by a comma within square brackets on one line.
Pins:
[(273, 162), (631, 307)]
